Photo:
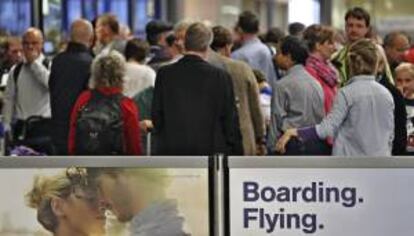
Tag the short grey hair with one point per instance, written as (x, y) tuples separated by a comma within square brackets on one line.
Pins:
[(198, 37), (81, 31), (108, 70)]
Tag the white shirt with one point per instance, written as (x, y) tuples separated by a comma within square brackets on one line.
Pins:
[(137, 78), (32, 98)]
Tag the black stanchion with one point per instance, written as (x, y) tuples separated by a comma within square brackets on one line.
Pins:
[(212, 183), (226, 195)]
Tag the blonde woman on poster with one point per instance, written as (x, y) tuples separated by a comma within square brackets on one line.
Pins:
[(66, 206)]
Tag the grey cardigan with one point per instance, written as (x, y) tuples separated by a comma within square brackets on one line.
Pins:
[(361, 120)]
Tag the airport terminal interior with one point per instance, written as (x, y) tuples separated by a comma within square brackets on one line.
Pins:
[(206, 117)]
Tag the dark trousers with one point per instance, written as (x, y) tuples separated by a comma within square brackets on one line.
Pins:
[(295, 147)]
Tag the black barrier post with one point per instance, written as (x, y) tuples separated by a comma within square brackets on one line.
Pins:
[(212, 176), (226, 195)]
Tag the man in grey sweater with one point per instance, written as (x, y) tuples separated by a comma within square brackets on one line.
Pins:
[(297, 98), (27, 92)]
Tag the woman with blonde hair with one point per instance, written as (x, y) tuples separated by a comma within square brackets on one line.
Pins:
[(404, 79), (103, 121), (66, 205), (361, 121)]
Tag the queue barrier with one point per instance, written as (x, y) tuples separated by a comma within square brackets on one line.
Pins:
[(221, 195)]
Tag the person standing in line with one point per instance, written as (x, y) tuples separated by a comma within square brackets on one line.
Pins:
[(246, 90), (27, 91), (253, 51), (361, 121), (297, 99), (69, 76), (103, 121), (193, 109), (320, 41)]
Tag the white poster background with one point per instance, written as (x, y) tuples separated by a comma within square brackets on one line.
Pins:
[(387, 208)]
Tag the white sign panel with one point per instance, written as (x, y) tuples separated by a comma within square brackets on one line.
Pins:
[(322, 202)]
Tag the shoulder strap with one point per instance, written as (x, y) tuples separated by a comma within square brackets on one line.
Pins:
[(46, 63), (16, 72)]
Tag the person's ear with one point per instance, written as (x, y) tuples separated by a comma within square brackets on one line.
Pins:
[(228, 48), (57, 205), (291, 62), (238, 29), (318, 46)]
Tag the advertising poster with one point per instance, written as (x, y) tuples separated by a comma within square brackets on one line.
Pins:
[(104, 201), (321, 202)]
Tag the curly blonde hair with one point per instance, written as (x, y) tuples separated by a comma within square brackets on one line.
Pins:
[(45, 188), (108, 70)]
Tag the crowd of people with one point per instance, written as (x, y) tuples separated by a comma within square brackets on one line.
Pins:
[(203, 90)]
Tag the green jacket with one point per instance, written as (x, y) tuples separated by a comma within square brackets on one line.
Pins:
[(144, 102), (339, 61)]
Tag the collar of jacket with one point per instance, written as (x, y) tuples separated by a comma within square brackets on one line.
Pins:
[(192, 57), (295, 68), (252, 40), (109, 90), (360, 78), (76, 47)]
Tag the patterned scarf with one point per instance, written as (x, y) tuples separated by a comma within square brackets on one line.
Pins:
[(324, 70)]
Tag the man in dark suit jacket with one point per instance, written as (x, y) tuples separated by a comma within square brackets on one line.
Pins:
[(69, 76), (193, 110)]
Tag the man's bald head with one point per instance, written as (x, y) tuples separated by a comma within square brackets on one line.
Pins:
[(81, 31), (34, 33), (32, 44)]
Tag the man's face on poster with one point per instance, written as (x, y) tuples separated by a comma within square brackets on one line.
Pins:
[(116, 196)]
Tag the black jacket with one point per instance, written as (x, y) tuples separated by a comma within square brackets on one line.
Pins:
[(69, 76), (400, 119), (194, 111)]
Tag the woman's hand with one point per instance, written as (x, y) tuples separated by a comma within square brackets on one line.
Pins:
[(281, 143)]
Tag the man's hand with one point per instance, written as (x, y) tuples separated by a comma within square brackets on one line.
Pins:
[(261, 149), (146, 126), (31, 56)]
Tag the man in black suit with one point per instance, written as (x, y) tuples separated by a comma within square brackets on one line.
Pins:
[(194, 111), (69, 76)]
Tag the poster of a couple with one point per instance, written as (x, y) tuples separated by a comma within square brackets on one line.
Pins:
[(104, 202)]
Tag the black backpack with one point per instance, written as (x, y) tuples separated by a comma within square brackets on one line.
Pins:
[(99, 126)]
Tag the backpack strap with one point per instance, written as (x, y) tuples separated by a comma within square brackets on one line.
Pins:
[(46, 63), (16, 73)]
